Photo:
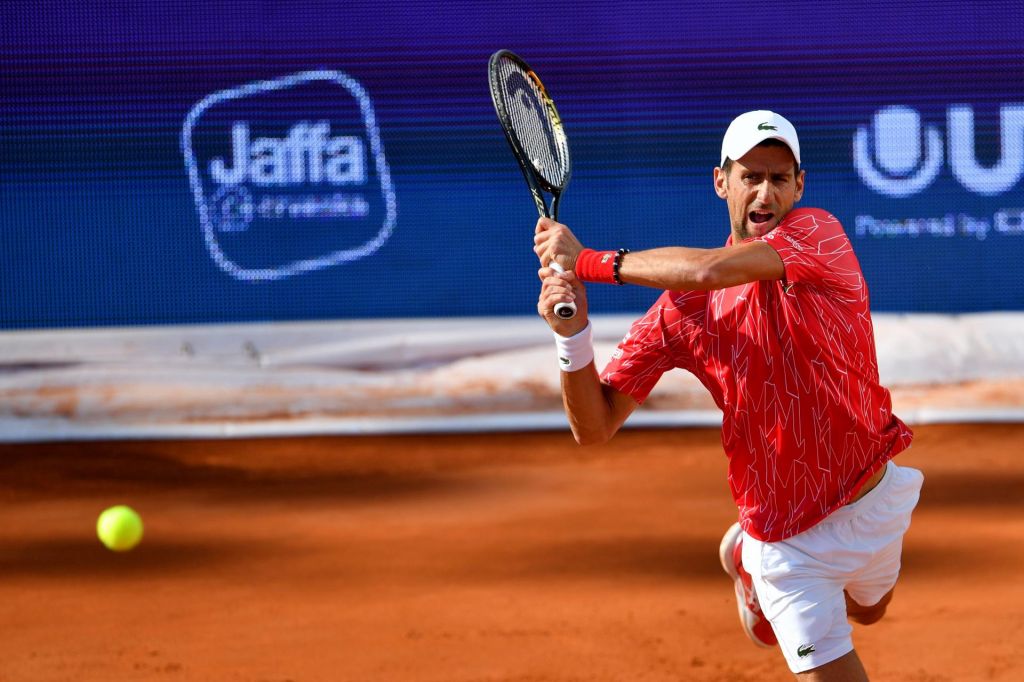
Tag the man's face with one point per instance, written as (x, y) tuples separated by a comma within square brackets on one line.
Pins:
[(760, 188)]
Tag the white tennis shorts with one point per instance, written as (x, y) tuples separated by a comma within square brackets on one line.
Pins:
[(800, 580)]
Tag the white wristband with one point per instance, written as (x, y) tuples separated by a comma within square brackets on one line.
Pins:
[(577, 351)]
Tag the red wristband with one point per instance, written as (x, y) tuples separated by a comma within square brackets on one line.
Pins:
[(596, 266)]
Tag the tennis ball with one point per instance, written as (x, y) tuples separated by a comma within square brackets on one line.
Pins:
[(119, 528)]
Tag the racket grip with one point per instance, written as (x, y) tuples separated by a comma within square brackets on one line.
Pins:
[(566, 311)]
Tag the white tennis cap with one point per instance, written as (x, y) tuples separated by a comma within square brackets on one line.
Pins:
[(754, 127)]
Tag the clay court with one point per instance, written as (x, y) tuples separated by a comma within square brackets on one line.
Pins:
[(512, 557)]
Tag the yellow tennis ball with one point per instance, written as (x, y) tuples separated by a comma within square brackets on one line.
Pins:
[(119, 528)]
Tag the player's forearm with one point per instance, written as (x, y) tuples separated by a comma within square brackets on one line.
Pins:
[(682, 269), (589, 407), (672, 268)]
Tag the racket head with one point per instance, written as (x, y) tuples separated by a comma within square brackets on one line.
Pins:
[(531, 122)]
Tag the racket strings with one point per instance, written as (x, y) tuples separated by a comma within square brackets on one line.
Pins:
[(533, 124)]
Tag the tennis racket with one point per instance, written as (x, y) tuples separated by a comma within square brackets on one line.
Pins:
[(534, 130)]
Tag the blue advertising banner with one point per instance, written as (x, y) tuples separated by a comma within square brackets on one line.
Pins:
[(167, 163)]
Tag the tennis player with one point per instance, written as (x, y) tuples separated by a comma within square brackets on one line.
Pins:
[(776, 325)]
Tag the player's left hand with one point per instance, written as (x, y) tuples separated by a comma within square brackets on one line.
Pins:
[(555, 241), (562, 287)]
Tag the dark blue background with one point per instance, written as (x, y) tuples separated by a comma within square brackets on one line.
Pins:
[(98, 225)]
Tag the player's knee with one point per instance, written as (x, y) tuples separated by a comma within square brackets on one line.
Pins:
[(867, 615)]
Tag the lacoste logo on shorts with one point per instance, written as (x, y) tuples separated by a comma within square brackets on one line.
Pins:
[(804, 650), (564, 361)]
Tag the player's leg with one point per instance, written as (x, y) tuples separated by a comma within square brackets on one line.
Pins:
[(867, 615), (800, 594), (810, 586), (881, 528), (846, 668)]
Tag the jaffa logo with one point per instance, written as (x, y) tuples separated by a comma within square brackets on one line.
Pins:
[(899, 156), (289, 175)]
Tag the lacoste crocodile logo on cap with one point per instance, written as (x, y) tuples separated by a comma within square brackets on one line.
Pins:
[(765, 126)]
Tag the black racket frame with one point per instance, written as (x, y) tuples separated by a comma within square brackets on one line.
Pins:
[(534, 179)]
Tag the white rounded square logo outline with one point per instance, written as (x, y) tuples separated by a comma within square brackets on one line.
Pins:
[(311, 264)]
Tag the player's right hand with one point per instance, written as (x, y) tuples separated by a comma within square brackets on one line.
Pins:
[(562, 287)]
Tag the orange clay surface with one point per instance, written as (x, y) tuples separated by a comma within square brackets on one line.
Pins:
[(512, 557)]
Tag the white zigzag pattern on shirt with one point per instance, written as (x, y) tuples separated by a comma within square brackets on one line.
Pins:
[(792, 369)]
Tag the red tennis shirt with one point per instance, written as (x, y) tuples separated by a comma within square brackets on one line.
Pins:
[(792, 365)]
